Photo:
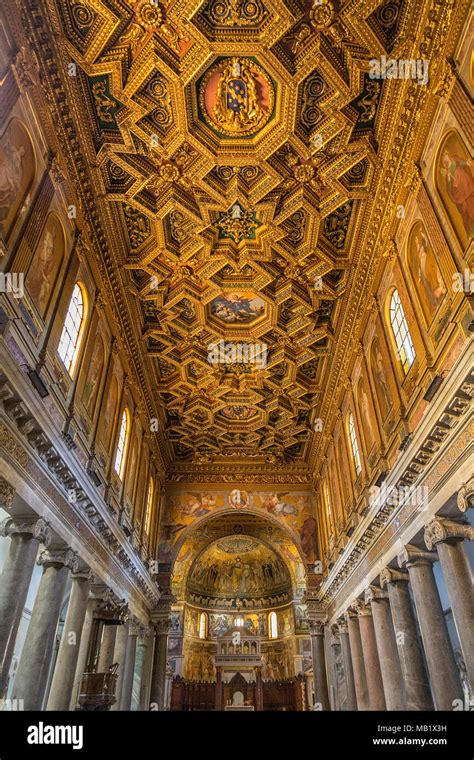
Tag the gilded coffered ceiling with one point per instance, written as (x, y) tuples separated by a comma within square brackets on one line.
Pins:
[(236, 147)]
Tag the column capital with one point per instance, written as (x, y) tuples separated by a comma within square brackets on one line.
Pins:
[(27, 524), (465, 497), (316, 627), (411, 555), (349, 615), (361, 608), (389, 575), (374, 594), (82, 573), (342, 625), (134, 626), (7, 494), (441, 529), (65, 557)]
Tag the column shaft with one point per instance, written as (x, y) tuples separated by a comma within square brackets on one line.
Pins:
[(442, 667), (348, 670), (129, 669), (387, 650), (157, 691), (32, 674), (120, 653), (412, 664), (66, 662), (14, 584), (321, 694), (357, 657), (458, 578), (371, 662)]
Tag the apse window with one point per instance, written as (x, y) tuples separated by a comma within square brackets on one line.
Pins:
[(354, 446), (401, 333), (203, 626), (71, 336), (149, 502), (273, 625), (239, 622), (122, 445)]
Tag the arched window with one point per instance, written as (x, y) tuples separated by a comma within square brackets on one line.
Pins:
[(73, 329), (401, 333), (354, 446), (149, 503), (273, 625), (203, 626), (122, 444), (239, 622)]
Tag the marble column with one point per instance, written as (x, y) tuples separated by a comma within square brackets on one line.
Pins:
[(31, 678), (145, 684), (65, 667), (357, 657), (347, 663), (129, 669), (107, 646), (25, 534), (387, 648), (448, 538), (371, 656), (410, 653), (321, 695), (158, 676), (444, 676), (120, 653), (83, 652)]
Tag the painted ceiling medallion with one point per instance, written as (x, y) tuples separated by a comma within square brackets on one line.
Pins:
[(236, 97)]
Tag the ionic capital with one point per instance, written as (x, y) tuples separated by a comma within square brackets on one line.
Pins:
[(65, 557), (361, 608), (389, 575), (316, 627), (411, 556), (24, 525), (465, 497), (342, 626), (374, 594), (440, 529)]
